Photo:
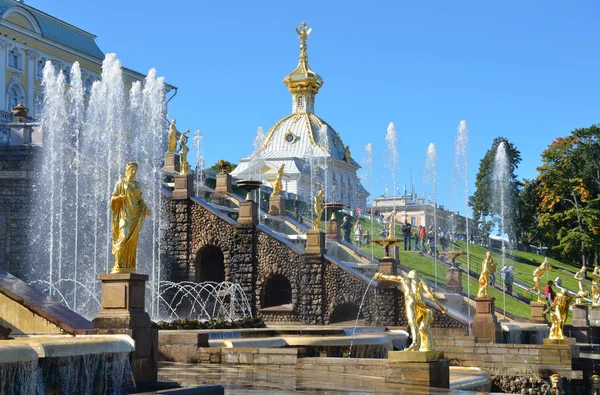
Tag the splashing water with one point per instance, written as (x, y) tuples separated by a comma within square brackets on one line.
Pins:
[(368, 165), (391, 140), (198, 146), (461, 167), (358, 314), (430, 176), (256, 158), (501, 195), (85, 150)]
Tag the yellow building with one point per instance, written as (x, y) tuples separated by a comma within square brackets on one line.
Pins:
[(418, 211), (30, 37)]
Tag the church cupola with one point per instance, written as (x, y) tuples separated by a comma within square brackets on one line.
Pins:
[(303, 83)]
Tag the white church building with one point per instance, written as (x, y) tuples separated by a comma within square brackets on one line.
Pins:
[(313, 153)]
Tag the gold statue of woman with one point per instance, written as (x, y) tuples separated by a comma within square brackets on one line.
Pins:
[(583, 293), (278, 184), (488, 267), (392, 225), (172, 137), (596, 286), (128, 211), (184, 167), (318, 208)]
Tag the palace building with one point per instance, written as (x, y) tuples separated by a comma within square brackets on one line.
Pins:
[(313, 153), (30, 37)]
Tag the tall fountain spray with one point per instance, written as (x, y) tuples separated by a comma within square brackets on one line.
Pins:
[(325, 146), (461, 169), (198, 146), (391, 140), (430, 176), (84, 153), (368, 165), (311, 167), (256, 157), (502, 199)]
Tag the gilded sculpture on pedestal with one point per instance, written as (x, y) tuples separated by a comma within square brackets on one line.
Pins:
[(172, 137), (583, 293), (278, 183), (538, 273), (392, 225), (488, 267), (318, 207), (128, 211), (418, 315), (183, 151), (558, 314), (596, 286)]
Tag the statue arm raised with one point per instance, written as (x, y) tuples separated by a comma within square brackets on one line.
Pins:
[(431, 296), (389, 277)]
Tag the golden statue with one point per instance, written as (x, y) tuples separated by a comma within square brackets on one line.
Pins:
[(558, 315), (172, 137), (595, 384), (538, 273), (184, 167), (278, 184), (583, 293), (224, 166), (392, 225), (418, 315), (488, 267), (556, 384), (596, 286), (347, 154), (128, 211), (318, 207)]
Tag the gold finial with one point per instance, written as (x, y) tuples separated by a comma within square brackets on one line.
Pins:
[(303, 35)]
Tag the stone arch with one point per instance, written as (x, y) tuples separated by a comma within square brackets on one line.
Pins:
[(18, 14), (15, 94), (347, 311), (277, 291), (209, 264)]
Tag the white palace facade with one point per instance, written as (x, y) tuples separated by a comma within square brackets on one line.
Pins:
[(313, 153)]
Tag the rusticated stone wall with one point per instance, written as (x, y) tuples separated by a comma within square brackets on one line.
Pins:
[(17, 166), (342, 286)]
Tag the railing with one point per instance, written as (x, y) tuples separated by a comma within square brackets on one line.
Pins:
[(7, 117)]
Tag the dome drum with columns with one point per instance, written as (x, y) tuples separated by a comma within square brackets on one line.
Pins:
[(302, 140)]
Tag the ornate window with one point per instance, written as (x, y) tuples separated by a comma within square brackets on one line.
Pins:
[(15, 59), (300, 101), (14, 96), (40, 67)]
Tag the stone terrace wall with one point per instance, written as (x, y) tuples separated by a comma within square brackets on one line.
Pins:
[(276, 258), (17, 165), (513, 366), (341, 286)]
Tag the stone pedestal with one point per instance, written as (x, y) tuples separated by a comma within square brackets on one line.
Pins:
[(184, 186), (580, 316), (567, 341), (122, 307), (332, 228), (277, 205), (388, 266), (427, 369), (454, 280), (171, 163), (595, 316), (223, 183), (537, 315), (485, 323), (248, 213), (315, 242)]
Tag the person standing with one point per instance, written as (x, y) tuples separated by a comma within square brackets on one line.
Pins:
[(346, 226), (406, 235), (358, 233), (549, 292), (422, 238), (416, 239)]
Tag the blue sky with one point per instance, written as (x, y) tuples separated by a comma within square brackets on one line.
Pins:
[(525, 70)]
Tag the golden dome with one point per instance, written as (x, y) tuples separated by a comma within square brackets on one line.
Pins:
[(303, 79)]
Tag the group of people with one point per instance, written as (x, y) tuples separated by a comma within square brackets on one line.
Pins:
[(360, 237)]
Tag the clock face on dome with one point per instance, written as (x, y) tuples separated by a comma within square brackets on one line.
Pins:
[(290, 137)]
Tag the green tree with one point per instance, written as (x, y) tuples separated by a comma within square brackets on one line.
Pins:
[(482, 201), (527, 211), (569, 190)]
